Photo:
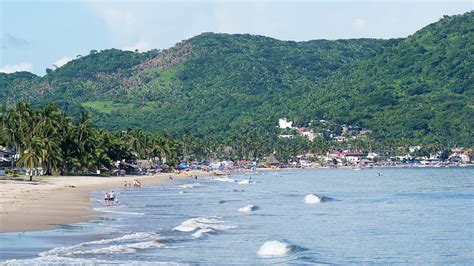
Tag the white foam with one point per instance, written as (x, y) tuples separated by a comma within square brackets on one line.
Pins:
[(126, 248), (202, 223), (274, 249), (199, 233), (312, 199), (107, 210), (244, 182), (98, 246), (134, 236), (55, 260), (248, 208), (225, 179), (190, 186)]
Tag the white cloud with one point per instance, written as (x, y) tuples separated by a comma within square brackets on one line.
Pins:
[(141, 46), (18, 67), (359, 24), (63, 61)]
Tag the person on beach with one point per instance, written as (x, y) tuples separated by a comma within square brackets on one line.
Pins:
[(170, 178), (136, 184), (112, 197), (106, 198), (125, 185)]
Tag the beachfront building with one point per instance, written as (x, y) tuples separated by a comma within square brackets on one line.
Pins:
[(272, 162), (350, 157), (5, 156)]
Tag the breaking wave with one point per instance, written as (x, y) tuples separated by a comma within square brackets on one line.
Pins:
[(203, 225), (190, 186), (225, 179), (275, 248), (125, 244), (248, 208), (312, 199)]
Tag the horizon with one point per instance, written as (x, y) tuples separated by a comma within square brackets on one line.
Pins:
[(35, 42)]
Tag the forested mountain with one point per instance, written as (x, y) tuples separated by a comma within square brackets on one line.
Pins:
[(415, 89)]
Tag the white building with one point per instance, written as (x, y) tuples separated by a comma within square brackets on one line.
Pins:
[(284, 123), (372, 155), (287, 136), (309, 134)]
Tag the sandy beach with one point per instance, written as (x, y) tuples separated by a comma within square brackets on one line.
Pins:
[(49, 201)]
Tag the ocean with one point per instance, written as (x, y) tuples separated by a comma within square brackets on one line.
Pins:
[(324, 216)]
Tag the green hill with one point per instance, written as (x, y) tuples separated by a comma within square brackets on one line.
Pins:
[(415, 89)]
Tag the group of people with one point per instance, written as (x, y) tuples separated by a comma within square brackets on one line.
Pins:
[(136, 184), (110, 198)]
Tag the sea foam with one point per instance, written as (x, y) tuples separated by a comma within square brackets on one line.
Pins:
[(312, 199), (124, 244), (274, 249), (190, 186), (225, 179), (248, 208), (203, 225), (244, 182)]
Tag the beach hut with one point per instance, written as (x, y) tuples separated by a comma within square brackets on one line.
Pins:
[(272, 161)]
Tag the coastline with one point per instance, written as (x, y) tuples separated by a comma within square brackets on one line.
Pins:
[(49, 201)]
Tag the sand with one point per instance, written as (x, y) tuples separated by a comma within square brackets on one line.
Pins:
[(49, 201)]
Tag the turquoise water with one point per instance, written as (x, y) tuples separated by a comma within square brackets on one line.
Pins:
[(408, 215)]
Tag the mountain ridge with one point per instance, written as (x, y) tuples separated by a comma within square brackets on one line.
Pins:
[(417, 88)]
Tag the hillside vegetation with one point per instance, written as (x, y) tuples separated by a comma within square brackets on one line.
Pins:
[(417, 89)]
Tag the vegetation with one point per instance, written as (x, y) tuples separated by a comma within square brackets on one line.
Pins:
[(48, 138), (225, 93)]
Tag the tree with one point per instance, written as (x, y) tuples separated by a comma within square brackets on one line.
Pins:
[(33, 156)]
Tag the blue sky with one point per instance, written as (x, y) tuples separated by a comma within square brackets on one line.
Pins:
[(37, 34)]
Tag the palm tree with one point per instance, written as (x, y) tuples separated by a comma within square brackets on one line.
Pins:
[(15, 124), (33, 155), (137, 143), (48, 126)]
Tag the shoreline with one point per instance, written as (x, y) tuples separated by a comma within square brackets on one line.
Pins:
[(47, 202)]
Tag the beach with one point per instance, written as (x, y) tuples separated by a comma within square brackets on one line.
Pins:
[(49, 201)]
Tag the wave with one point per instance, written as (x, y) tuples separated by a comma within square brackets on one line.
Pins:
[(125, 248), (199, 233), (224, 179), (315, 199), (55, 260), (275, 248), (203, 225), (108, 210), (312, 199), (190, 186), (244, 182), (248, 208), (125, 244)]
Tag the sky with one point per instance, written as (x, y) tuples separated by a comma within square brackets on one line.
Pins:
[(37, 34)]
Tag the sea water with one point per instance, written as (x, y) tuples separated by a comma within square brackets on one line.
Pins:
[(336, 216)]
